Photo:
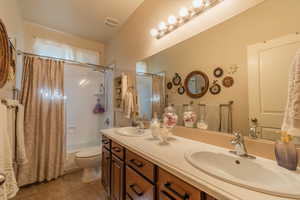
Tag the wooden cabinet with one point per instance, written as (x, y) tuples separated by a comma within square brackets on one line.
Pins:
[(118, 150), (117, 178), (144, 167), (172, 188), (105, 171), (137, 187), (128, 176)]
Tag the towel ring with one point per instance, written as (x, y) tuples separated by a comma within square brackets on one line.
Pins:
[(2, 179)]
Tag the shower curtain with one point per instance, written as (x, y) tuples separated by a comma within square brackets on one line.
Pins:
[(43, 98)]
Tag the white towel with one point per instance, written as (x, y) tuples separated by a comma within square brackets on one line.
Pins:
[(20, 155), (291, 120), (9, 188), (128, 104)]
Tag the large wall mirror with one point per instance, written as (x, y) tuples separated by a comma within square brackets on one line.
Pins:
[(251, 92), (4, 55)]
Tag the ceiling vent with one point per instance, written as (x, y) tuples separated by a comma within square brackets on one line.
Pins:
[(111, 22)]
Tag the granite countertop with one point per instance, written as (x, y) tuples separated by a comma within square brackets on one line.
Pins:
[(171, 158)]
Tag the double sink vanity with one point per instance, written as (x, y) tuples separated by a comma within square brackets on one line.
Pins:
[(136, 166)]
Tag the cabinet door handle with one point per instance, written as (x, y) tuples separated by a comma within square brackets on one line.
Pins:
[(137, 163), (134, 188), (164, 193), (117, 149), (184, 196), (105, 141), (128, 195)]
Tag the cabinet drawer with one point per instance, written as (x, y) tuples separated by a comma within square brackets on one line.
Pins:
[(106, 142), (172, 188), (137, 187), (117, 150), (143, 166)]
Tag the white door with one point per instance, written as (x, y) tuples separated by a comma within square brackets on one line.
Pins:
[(269, 64)]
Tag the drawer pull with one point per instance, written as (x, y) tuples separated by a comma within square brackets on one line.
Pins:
[(117, 149), (134, 188), (129, 197), (105, 141), (164, 193), (137, 163), (184, 196)]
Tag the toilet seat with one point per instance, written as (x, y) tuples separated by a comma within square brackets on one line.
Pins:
[(88, 153)]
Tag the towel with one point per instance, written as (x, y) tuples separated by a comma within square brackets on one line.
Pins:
[(291, 120), (9, 189), (18, 153), (128, 104)]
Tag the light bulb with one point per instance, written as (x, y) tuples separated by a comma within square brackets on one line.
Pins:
[(207, 3), (162, 26), (154, 32), (172, 20), (198, 3), (183, 12)]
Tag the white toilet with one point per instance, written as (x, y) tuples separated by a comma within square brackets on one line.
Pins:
[(89, 160)]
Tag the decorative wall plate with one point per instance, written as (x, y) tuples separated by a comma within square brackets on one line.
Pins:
[(228, 81), (169, 85), (176, 80), (4, 55), (215, 88), (181, 90), (218, 72)]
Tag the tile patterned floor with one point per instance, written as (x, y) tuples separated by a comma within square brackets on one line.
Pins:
[(68, 187)]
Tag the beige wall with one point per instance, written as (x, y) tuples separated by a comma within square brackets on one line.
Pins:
[(10, 15), (226, 45), (31, 31), (134, 43)]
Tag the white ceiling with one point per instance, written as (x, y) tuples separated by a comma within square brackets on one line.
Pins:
[(84, 18)]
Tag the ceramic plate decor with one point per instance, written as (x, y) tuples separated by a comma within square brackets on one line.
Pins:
[(215, 89), (177, 79), (4, 55), (218, 72), (228, 81), (169, 85)]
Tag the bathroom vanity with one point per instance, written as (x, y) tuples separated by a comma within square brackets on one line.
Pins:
[(141, 168)]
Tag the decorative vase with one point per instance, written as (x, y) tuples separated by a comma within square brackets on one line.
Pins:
[(286, 155), (170, 119), (189, 116)]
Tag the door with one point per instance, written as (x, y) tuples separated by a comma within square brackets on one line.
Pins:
[(269, 65), (137, 187), (106, 160), (117, 179)]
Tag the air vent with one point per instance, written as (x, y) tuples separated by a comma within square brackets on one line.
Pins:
[(111, 22)]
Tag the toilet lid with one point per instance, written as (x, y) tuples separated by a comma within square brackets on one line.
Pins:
[(89, 152)]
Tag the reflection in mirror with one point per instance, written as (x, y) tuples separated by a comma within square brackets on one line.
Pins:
[(258, 59), (196, 84)]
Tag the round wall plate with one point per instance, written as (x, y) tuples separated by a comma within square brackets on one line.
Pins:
[(218, 72), (169, 85), (181, 90), (228, 81), (215, 89)]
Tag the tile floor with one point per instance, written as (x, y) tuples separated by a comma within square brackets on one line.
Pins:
[(68, 187)]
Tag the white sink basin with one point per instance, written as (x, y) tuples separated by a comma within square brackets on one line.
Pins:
[(260, 175), (132, 132)]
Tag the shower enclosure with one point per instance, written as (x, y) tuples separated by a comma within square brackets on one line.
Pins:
[(151, 94), (84, 88)]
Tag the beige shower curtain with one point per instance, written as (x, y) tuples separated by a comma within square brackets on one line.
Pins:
[(158, 102), (43, 98)]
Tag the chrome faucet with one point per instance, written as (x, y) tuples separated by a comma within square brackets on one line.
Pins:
[(239, 146), (253, 132), (139, 124)]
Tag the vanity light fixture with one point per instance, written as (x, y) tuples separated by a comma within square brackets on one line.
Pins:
[(185, 15)]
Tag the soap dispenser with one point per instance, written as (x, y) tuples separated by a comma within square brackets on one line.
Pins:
[(155, 126)]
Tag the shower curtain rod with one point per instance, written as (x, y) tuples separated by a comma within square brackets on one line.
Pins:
[(89, 65)]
